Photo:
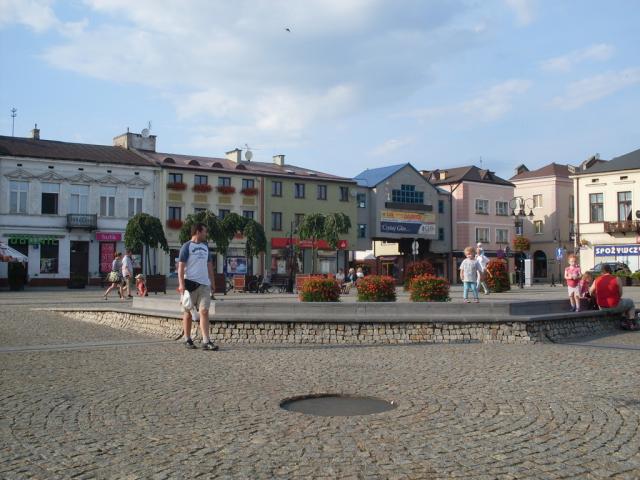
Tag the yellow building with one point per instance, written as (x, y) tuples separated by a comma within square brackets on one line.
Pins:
[(607, 212)]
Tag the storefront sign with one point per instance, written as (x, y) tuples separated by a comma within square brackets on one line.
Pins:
[(108, 236), (24, 239), (616, 250), (236, 265), (283, 242), (409, 223)]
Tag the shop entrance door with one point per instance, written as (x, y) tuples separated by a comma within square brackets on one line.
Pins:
[(388, 269), (79, 259)]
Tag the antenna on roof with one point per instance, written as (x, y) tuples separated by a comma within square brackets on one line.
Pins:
[(248, 155), (14, 114), (480, 162)]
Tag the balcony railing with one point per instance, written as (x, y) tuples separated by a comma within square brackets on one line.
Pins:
[(625, 226), (82, 220)]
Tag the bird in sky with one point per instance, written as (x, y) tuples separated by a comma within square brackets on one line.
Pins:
[(287, 29)]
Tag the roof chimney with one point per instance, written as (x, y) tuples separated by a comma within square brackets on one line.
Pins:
[(235, 155), (35, 133), (278, 160), (139, 141), (442, 174), (521, 169)]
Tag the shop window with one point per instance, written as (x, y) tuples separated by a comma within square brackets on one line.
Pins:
[(49, 202), (49, 254), (18, 197)]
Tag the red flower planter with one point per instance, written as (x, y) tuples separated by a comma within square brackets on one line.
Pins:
[(226, 188), (202, 188), (174, 224), (520, 244), (249, 191), (177, 186)]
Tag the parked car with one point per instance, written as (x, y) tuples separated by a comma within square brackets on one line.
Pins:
[(615, 268)]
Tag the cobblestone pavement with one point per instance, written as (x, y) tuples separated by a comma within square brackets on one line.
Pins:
[(100, 407)]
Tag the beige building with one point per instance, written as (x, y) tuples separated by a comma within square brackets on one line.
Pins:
[(546, 195), (608, 211)]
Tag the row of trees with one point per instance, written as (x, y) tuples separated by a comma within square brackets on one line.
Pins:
[(145, 231)]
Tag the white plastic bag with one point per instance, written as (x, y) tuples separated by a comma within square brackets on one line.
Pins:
[(186, 300)]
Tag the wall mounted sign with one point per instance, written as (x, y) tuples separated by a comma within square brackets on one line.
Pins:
[(617, 250)]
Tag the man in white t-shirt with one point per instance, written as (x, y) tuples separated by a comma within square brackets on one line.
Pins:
[(127, 274), (195, 274)]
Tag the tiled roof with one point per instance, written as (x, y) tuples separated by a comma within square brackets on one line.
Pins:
[(194, 162), (467, 174), (551, 170), (373, 176), (628, 161), (49, 149)]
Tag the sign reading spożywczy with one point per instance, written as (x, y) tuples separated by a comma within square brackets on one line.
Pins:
[(617, 250)]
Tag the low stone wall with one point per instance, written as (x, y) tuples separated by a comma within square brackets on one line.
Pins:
[(513, 331)]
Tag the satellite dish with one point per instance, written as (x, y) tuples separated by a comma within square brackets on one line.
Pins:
[(145, 133), (248, 155)]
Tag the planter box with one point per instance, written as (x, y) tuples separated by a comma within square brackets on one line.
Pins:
[(156, 283)]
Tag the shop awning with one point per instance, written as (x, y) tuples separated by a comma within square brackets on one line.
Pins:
[(14, 255)]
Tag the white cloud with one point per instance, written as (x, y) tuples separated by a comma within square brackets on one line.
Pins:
[(599, 52), (233, 65), (35, 14), (523, 10), (594, 88), (489, 105), (391, 146)]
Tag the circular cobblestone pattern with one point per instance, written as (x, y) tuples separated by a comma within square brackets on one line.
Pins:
[(158, 410)]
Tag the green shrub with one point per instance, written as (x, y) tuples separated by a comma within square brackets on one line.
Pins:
[(429, 288), (496, 275), (320, 290), (376, 288), (414, 269)]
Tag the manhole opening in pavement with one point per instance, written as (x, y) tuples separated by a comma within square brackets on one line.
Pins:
[(332, 405)]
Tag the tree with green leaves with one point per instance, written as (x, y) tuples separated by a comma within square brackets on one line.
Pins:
[(318, 226), (222, 231), (144, 230)]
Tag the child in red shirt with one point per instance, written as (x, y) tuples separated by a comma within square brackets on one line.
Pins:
[(572, 275), (141, 286)]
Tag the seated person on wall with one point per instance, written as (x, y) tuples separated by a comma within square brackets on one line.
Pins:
[(607, 290)]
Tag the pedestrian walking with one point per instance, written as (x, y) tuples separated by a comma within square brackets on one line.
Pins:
[(114, 276), (469, 272), (483, 261), (195, 276), (127, 274)]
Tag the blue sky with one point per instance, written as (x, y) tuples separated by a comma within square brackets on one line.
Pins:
[(354, 84)]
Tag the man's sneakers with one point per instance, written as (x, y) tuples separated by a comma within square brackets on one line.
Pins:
[(209, 346), (189, 344)]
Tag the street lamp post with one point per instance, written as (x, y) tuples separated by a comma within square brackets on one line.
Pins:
[(290, 259), (518, 206)]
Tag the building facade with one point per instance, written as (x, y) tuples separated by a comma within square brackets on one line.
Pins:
[(479, 210), (397, 206), (66, 205), (607, 213), (547, 194)]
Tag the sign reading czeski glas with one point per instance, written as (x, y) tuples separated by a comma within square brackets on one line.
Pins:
[(414, 223), (617, 250)]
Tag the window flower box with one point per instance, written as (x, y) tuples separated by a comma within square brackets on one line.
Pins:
[(203, 188), (177, 186), (174, 224), (226, 188), (249, 191), (521, 244)]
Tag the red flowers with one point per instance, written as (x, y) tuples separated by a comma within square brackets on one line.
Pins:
[(226, 188), (174, 224), (496, 275), (249, 191), (520, 244), (203, 188), (429, 288), (319, 289), (376, 288), (177, 186), (417, 268)]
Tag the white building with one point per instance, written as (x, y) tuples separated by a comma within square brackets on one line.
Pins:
[(66, 205)]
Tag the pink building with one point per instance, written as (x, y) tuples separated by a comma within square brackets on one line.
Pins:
[(480, 209)]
